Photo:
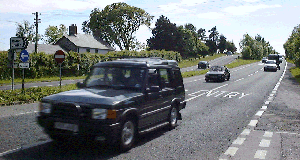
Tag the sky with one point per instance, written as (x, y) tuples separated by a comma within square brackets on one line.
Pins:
[(274, 20)]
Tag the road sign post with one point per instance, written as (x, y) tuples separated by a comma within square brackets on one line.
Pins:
[(59, 57), (24, 56), (17, 43)]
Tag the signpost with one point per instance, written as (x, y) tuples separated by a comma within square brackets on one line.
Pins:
[(24, 56), (17, 43), (59, 57)]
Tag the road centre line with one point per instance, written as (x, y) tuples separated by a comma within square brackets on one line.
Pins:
[(260, 154)]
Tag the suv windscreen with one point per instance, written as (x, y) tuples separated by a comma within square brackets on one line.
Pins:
[(116, 77)]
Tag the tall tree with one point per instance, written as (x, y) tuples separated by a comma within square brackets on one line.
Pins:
[(292, 46), (26, 29), (165, 35), (231, 46), (214, 34), (201, 33), (117, 23), (54, 33), (222, 43), (213, 38)]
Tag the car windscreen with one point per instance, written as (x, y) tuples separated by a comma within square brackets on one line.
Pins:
[(270, 62), (216, 68), (116, 77)]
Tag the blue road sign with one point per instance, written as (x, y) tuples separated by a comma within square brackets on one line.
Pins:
[(24, 56)]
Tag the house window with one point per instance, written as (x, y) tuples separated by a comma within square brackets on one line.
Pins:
[(96, 50), (88, 50)]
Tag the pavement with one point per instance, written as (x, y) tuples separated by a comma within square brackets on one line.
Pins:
[(274, 131)]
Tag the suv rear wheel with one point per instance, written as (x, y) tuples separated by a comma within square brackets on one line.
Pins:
[(173, 117)]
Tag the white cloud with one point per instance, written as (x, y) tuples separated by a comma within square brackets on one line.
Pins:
[(246, 9), (211, 15), (177, 8), (251, 1), (29, 6), (192, 2)]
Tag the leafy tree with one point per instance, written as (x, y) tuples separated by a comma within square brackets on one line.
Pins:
[(214, 34), (165, 35), (255, 48), (202, 49), (54, 33), (117, 23), (201, 33), (212, 41), (187, 42), (26, 29), (222, 43), (212, 46), (231, 47), (292, 46)]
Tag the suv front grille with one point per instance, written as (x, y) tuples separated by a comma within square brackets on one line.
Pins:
[(69, 110)]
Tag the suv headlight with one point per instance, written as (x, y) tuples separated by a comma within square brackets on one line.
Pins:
[(45, 107), (99, 113)]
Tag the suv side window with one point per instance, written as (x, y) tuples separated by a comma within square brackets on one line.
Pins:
[(153, 78), (164, 78), (177, 78)]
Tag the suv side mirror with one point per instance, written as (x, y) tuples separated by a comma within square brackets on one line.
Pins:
[(80, 84)]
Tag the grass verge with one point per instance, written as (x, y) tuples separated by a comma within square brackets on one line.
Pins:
[(240, 62), (296, 73), (30, 95), (195, 61), (46, 79), (235, 63)]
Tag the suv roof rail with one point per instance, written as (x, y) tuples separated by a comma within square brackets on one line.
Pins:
[(124, 57), (148, 60)]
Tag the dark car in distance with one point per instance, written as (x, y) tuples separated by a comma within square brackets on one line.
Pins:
[(264, 60), (203, 65), (217, 73), (118, 100)]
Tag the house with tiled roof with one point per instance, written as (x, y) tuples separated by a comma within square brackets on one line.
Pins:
[(82, 43), (46, 48)]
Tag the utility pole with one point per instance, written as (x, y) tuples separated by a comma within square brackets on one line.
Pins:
[(37, 21)]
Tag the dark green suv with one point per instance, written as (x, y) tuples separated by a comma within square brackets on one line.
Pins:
[(119, 100)]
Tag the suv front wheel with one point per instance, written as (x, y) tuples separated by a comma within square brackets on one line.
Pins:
[(128, 134)]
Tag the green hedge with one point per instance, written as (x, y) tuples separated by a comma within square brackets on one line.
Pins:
[(44, 65)]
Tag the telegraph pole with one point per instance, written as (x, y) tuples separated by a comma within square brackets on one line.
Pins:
[(37, 21)]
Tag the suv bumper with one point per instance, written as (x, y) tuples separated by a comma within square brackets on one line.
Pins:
[(94, 130)]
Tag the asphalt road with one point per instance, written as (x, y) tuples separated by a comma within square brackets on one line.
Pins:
[(215, 115)]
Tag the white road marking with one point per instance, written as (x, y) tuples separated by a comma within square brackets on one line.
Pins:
[(260, 154), (264, 143), (268, 134), (246, 132), (267, 102), (253, 123), (232, 94), (231, 151), (239, 141), (264, 107), (259, 113)]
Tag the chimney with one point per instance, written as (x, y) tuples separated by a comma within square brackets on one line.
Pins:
[(72, 30)]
